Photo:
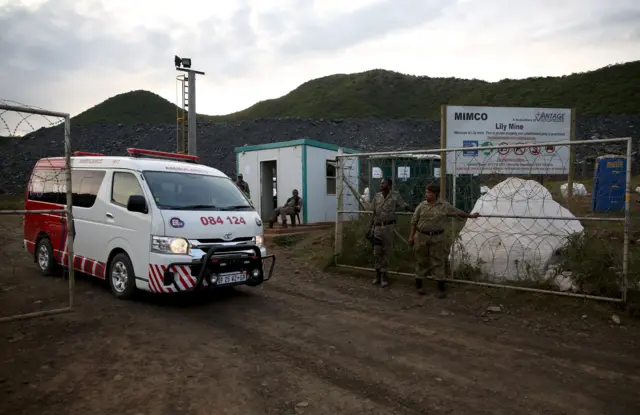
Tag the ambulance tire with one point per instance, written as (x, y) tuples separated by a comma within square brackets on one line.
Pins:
[(44, 257), (122, 279)]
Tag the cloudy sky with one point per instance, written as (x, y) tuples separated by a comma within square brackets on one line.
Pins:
[(68, 55)]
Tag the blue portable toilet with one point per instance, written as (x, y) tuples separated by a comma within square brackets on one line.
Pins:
[(609, 184)]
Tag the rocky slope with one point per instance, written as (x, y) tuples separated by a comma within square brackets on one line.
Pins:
[(216, 141)]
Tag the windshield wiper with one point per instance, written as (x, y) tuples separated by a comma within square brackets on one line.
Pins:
[(209, 207), (237, 207)]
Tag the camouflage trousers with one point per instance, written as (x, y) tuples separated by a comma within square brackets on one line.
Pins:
[(282, 212), (382, 246), (430, 256)]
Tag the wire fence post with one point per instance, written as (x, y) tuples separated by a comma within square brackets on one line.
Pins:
[(627, 223), (370, 181), (43, 188), (453, 221), (71, 229), (339, 205), (572, 160)]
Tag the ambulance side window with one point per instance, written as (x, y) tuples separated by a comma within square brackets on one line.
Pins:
[(124, 185), (85, 184), (47, 185)]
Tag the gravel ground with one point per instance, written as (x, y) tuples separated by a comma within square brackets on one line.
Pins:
[(307, 342)]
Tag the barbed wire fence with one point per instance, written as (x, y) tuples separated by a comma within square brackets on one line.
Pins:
[(551, 222), (36, 221)]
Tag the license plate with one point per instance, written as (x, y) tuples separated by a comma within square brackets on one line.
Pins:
[(232, 278)]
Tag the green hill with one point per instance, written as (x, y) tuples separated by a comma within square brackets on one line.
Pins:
[(129, 107), (614, 89)]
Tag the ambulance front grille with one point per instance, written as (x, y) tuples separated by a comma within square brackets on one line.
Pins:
[(222, 241)]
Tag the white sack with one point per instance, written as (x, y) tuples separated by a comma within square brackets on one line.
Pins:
[(578, 190)]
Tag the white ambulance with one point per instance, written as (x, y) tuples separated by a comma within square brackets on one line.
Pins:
[(152, 221)]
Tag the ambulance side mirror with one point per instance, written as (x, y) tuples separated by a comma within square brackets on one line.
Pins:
[(137, 203)]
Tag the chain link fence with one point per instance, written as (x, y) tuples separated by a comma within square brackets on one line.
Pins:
[(550, 221), (34, 229)]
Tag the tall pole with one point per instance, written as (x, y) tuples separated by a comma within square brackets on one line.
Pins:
[(192, 146), (191, 133)]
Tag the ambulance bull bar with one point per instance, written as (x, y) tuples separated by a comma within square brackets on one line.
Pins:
[(209, 264)]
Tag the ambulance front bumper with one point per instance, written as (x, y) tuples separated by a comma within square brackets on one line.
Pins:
[(220, 266)]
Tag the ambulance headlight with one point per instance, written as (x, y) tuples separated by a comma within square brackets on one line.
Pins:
[(168, 245), (259, 241)]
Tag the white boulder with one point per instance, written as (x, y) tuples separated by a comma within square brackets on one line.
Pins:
[(514, 248), (484, 189), (578, 190)]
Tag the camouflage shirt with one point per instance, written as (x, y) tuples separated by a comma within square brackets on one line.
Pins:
[(430, 217), (244, 186), (384, 209), (293, 202)]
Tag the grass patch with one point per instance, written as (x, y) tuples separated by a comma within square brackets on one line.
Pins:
[(527, 303), (13, 202), (288, 240), (314, 248)]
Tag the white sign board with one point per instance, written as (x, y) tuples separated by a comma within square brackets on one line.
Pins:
[(496, 126), (376, 173), (404, 172)]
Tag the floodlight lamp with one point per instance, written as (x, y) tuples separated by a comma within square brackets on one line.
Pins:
[(186, 62), (177, 61)]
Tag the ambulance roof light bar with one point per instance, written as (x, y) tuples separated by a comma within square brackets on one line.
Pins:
[(137, 152), (86, 153)]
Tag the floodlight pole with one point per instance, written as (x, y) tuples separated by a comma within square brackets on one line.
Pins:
[(191, 114)]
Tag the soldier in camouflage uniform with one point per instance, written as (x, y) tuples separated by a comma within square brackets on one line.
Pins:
[(292, 206), (384, 207), (242, 185), (429, 244)]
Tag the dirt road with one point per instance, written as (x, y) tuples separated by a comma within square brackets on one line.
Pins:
[(307, 342)]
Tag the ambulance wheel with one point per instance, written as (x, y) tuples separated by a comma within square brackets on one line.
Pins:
[(121, 277), (44, 257)]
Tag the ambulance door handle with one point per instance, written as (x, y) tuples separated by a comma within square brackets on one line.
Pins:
[(109, 215)]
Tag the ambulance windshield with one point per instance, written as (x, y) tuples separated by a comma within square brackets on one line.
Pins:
[(185, 191)]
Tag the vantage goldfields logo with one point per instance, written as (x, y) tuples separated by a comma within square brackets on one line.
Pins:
[(549, 117)]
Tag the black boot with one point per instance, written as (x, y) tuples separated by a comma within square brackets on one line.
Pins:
[(441, 293), (384, 280), (376, 280), (419, 288)]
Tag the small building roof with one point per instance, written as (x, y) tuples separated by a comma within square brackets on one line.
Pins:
[(427, 156), (293, 143)]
